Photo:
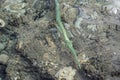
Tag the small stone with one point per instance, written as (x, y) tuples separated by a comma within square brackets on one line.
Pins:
[(66, 73), (92, 27), (19, 46), (4, 58), (2, 46), (2, 23), (3, 52), (46, 57)]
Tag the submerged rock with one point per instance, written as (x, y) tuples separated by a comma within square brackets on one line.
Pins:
[(4, 58), (66, 73), (15, 7), (2, 46), (3, 42)]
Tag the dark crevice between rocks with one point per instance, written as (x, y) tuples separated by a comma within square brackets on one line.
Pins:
[(2, 71), (35, 71)]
